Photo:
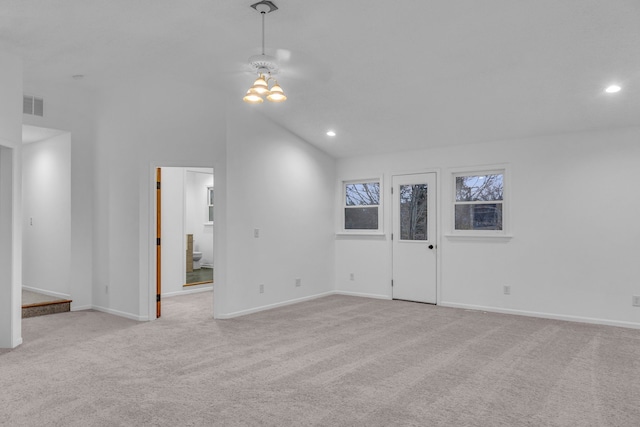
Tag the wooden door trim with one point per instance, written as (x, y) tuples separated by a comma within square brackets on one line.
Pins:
[(158, 242)]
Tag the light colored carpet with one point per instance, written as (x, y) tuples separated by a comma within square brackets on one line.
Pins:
[(335, 361), (30, 297)]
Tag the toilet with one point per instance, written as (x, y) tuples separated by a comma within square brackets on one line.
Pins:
[(197, 256)]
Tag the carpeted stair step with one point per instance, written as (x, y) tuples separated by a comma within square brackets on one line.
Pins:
[(44, 308)]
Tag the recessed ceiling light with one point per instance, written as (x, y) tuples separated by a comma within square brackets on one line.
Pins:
[(331, 133), (613, 89)]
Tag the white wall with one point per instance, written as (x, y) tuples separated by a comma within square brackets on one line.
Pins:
[(10, 200), (281, 185), (284, 187), (173, 239), (197, 213), (46, 216), (574, 252), (72, 108), (141, 125), (571, 256)]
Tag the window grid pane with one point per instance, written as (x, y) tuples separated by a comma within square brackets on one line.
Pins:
[(478, 216), (357, 218), (471, 188), (362, 194)]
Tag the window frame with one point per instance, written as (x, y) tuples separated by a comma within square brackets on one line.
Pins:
[(210, 195), (505, 202), (343, 205)]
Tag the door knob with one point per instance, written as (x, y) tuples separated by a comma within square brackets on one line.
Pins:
[(430, 246)]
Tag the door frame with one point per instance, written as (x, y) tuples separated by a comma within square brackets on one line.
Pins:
[(158, 242), (439, 233), (153, 248), (10, 245)]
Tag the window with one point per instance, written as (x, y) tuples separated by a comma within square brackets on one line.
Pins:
[(362, 206), (479, 202), (210, 203), (414, 202)]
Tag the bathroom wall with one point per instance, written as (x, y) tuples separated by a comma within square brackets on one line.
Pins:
[(197, 211), (46, 216), (172, 231)]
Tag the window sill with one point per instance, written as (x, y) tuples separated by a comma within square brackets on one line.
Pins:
[(376, 234), (210, 223), (477, 237)]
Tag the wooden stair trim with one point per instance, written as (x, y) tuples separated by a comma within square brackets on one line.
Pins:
[(42, 304)]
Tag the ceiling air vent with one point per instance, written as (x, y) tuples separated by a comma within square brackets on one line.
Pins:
[(33, 105)]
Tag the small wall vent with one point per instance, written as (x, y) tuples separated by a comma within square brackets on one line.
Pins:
[(32, 105)]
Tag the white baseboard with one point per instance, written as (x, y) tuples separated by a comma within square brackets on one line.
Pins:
[(194, 290), (580, 319), (46, 292), (121, 313), (359, 294), (81, 307), (542, 315), (270, 306), (297, 300)]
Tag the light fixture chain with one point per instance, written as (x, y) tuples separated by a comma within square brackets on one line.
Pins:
[(262, 13)]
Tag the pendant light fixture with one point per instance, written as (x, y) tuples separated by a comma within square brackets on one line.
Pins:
[(265, 66)]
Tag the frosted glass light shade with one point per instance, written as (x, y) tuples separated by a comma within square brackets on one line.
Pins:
[(260, 86), (276, 94), (252, 98)]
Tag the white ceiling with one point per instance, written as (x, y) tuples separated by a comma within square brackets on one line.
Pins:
[(385, 75), (36, 134)]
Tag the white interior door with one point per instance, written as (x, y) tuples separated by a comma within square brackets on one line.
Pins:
[(414, 237)]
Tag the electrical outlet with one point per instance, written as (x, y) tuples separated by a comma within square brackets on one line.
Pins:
[(352, 276), (507, 290), (261, 288), (636, 301), (106, 289), (298, 281), (256, 233)]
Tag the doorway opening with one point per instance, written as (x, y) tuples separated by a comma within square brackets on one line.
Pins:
[(184, 231), (46, 221)]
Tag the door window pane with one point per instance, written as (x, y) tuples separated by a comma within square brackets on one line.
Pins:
[(413, 212)]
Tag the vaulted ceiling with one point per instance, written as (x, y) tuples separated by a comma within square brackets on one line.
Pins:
[(384, 75)]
